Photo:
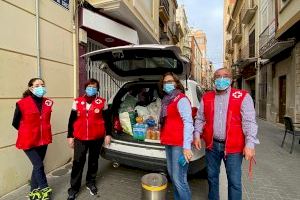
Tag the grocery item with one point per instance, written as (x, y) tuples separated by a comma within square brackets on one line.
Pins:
[(139, 131)]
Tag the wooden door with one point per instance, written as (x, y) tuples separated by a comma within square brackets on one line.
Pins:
[(282, 97)]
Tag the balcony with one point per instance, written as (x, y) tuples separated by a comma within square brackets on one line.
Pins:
[(174, 29), (164, 11), (248, 11), (267, 38), (237, 34), (229, 47)]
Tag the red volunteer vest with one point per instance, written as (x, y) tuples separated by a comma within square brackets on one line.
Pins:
[(172, 131), (235, 139), (35, 128), (89, 124)]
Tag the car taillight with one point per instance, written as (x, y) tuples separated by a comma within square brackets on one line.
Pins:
[(194, 112)]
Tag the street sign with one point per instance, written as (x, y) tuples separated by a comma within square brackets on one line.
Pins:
[(64, 3)]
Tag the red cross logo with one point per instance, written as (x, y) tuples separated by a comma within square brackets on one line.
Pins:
[(48, 103), (98, 101), (237, 95)]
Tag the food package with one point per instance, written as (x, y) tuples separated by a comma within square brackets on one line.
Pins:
[(139, 131), (152, 134)]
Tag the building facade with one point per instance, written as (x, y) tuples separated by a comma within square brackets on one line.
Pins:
[(241, 44), (279, 47), (169, 30), (182, 20), (262, 48), (35, 42)]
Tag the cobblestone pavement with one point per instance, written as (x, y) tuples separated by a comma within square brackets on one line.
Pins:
[(276, 175)]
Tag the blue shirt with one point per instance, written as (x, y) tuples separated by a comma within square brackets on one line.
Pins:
[(185, 111)]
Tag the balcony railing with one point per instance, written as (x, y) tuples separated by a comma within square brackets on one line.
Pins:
[(267, 38), (174, 29), (165, 4), (248, 11), (164, 10), (237, 34)]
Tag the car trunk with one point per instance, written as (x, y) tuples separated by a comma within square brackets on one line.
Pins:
[(145, 93)]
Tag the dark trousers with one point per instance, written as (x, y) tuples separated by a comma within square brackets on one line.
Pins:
[(80, 150), (233, 163), (38, 177)]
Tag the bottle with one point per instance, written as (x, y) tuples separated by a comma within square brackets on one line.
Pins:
[(181, 160)]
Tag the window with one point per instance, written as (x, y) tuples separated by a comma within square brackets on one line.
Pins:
[(252, 44)]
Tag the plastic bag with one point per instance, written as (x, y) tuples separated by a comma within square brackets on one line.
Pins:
[(127, 119), (128, 104), (142, 111)]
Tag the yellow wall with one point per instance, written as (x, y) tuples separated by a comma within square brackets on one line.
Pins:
[(287, 12), (18, 65)]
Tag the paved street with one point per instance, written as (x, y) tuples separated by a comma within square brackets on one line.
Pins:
[(276, 175)]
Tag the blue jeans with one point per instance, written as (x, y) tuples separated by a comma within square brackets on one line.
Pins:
[(38, 177), (233, 163), (178, 173)]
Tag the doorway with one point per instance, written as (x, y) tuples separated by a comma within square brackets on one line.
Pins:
[(282, 98)]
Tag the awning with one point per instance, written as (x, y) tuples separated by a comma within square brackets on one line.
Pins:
[(276, 48), (110, 30)]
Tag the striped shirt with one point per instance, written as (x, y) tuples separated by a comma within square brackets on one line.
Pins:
[(220, 117)]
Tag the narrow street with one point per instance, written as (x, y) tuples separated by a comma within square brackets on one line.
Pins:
[(275, 177)]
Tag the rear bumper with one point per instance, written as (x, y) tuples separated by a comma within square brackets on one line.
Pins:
[(153, 163), (133, 160)]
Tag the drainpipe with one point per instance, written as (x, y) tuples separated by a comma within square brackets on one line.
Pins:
[(75, 48), (37, 16)]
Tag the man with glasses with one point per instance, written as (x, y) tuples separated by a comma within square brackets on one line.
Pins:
[(226, 122)]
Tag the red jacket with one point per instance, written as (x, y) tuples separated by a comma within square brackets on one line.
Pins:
[(35, 128), (89, 124), (235, 139), (172, 130)]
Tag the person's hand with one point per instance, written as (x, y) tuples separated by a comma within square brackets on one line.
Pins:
[(71, 142), (188, 154), (197, 143), (249, 153), (107, 140)]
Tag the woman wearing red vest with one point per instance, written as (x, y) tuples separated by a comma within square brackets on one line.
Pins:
[(176, 133), (32, 120), (88, 128)]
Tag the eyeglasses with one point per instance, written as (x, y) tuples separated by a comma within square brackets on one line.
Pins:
[(216, 77), (169, 81)]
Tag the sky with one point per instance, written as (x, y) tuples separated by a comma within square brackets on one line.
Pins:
[(207, 15)]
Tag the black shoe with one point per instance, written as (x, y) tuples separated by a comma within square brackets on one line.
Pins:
[(72, 194), (92, 188), (72, 197)]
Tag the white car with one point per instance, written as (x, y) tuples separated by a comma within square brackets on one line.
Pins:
[(141, 66)]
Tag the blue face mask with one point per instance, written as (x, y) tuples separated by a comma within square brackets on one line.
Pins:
[(39, 91), (222, 83), (90, 91), (168, 87)]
